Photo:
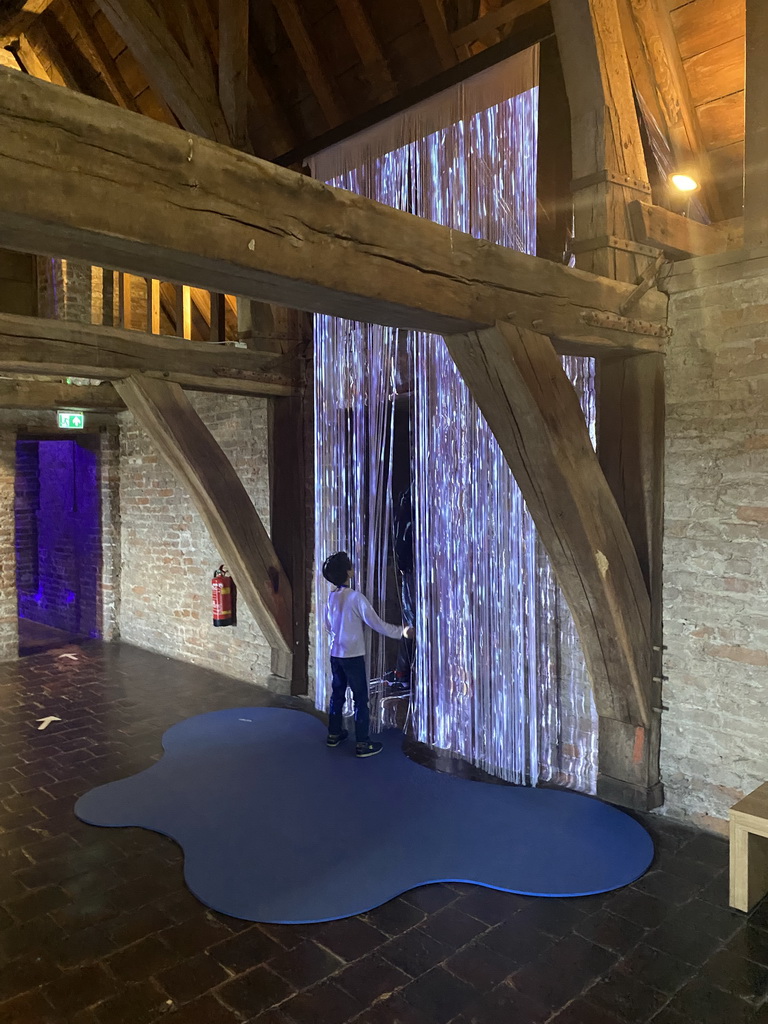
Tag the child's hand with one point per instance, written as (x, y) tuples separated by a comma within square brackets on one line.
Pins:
[(409, 632)]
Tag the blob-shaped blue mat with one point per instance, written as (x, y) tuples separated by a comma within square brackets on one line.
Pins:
[(275, 827)]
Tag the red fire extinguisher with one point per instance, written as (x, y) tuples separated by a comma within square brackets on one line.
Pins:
[(222, 593)]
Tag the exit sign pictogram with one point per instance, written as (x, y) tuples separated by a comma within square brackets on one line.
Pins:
[(71, 420)]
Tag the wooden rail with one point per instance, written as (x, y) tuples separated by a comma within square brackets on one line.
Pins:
[(143, 303)]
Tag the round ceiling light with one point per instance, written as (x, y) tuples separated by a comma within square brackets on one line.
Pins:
[(683, 182)]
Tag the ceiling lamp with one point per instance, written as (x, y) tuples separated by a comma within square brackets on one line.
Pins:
[(683, 182)]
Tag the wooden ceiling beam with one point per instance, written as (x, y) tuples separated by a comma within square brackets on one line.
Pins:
[(680, 237), (42, 347), (433, 16), (195, 41), (482, 28), (25, 394), (233, 68), (166, 67), (218, 219), (48, 36), (657, 34), (319, 83), (28, 59), (96, 51), (364, 39), (17, 24)]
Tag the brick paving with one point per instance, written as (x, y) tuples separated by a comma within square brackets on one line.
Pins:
[(97, 927)]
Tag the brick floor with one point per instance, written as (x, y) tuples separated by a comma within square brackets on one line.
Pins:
[(96, 926)]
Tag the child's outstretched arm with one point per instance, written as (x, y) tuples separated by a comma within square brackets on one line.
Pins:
[(370, 618)]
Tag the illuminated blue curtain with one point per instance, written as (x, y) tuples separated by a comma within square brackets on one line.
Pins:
[(499, 677)]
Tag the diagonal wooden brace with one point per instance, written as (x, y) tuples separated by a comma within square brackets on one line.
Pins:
[(199, 464), (518, 382)]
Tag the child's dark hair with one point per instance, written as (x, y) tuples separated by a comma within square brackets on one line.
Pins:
[(336, 567)]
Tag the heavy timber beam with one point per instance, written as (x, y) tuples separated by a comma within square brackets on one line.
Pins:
[(33, 345), (72, 167), (679, 237), (199, 464), (25, 394), (530, 405)]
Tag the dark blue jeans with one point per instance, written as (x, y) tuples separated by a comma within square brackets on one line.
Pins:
[(349, 672)]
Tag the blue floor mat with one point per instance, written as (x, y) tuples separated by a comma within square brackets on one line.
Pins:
[(276, 827)]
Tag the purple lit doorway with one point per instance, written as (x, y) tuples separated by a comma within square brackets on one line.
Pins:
[(58, 541)]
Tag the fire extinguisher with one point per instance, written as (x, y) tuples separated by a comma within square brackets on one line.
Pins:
[(222, 593)]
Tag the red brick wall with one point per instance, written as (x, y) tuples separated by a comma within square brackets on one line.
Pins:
[(167, 556)]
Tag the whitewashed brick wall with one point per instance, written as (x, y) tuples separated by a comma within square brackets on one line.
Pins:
[(715, 733), (168, 557)]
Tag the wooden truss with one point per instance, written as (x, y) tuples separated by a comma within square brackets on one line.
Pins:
[(82, 180)]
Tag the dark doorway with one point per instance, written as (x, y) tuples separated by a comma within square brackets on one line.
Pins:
[(58, 542)]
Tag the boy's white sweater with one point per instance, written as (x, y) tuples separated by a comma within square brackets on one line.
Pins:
[(345, 614)]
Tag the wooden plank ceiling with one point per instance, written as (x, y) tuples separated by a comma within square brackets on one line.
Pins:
[(710, 35), (316, 66)]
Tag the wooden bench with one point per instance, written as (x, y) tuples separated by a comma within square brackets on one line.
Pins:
[(749, 849)]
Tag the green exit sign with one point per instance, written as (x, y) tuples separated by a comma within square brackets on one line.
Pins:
[(71, 420)]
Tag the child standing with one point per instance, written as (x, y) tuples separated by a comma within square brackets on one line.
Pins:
[(346, 612)]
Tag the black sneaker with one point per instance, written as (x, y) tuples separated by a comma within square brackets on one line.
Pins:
[(368, 749), (334, 741)]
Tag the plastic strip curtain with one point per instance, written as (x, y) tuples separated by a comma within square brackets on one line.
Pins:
[(499, 678), (354, 367)]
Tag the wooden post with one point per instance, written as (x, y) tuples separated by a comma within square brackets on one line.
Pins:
[(124, 300), (256, 325), (108, 298), (553, 185), (291, 519), (631, 453), (183, 311), (218, 318), (153, 305), (608, 161), (756, 128), (610, 173)]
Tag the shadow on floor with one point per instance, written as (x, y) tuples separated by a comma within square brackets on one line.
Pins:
[(36, 638)]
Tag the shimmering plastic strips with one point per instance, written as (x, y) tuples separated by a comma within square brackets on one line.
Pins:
[(498, 676)]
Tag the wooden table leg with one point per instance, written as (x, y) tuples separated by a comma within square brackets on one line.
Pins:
[(748, 868)]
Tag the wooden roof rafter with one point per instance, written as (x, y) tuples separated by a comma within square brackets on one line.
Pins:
[(96, 51), (190, 96), (21, 21), (298, 34), (485, 29), (656, 34), (362, 35), (233, 69), (435, 19)]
